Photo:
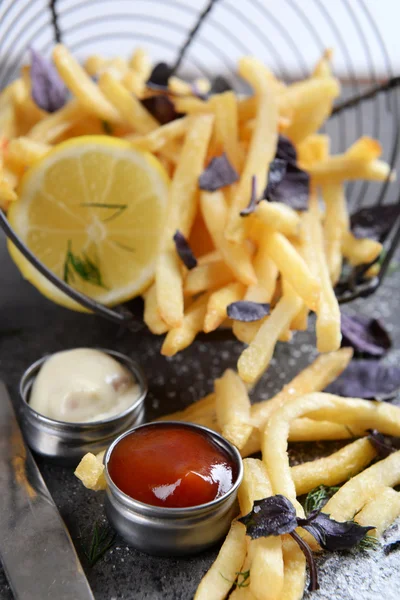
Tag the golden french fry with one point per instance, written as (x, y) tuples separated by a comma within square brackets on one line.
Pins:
[(294, 574), (381, 511), (151, 315), (262, 144), (313, 149), (54, 125), (328, 313), (336, 224), (217, 582), (278, 217), (312, 101), (7, 194), (293, 268), (91, 472), (356, 493), (182, 336), (335, 468), (265, 554), (360, 251), (84, 89), (323, 67), (232, 406), (181, 213), (140, 62), (254, 360), (210, 257), (236, 256), (129, 109), (218, 302), (23, 152), (226, 127), (320, 406), (365, 148), (157, 138), (207, 276), (300, 321), (309, 430)]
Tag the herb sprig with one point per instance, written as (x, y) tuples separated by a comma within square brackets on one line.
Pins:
[(118, 208), (276, 515), (82, 266), (239, 583), (102, 539)]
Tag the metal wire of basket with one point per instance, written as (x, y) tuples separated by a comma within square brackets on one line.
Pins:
[(201, 38)]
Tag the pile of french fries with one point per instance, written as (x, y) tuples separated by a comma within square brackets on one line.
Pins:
[(277, 255), (275, 566)]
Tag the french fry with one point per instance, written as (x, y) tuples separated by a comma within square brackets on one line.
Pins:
[(217, 582), (182, 336), (313, 149), (151, 315), (336, 224), (293, 268), (91, 472), (129, 109), (360, 251), (328, 313), (181, 213), (157, 138), (262, 146), (84, 89), (191, 105), (237, 256), (254, 360), (321, 406), (218, 302), (323, 67), (381, 511), (309, 430), (265, 554), (278, 217), (312, 101), (357, 493), (232, 406), (141, 64), (95, 65), (53, 126), (294, 574), (300, 321), (335, 468), (7, 194), (226, 127), (23, 152), (207, 276)]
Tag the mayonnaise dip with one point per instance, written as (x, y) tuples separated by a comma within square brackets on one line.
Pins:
[(83, 385)]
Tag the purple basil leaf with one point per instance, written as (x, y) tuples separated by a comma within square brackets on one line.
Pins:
[(368, 379), (383, 444), (391, 547), (276, 174), (333, 535), (245, 310), (365, 335), (184, 250), (48, 89), (251, 207), (274, 515), (294, 188), (161, 108), (286, 150), (160, 74), (218, 174), (375, 221)]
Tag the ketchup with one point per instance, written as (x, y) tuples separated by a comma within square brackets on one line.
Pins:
[(171, 466)]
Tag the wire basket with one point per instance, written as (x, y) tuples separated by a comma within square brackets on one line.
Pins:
[(205, 38)]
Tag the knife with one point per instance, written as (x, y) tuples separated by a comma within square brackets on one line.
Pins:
[(36, 550)]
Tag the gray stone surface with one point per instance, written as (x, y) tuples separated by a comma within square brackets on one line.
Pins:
[(30, 326)]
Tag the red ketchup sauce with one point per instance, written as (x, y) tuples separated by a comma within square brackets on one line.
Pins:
[(171, 466)]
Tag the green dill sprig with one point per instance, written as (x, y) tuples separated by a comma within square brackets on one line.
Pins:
[(83, 266), (318, 497), (244, 582), (118, 209), (369, 542), (102, 538)]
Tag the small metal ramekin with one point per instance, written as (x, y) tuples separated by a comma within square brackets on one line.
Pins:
[(172, 531), (68, 442)]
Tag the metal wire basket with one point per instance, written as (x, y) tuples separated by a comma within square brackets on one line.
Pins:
[(205, 38)]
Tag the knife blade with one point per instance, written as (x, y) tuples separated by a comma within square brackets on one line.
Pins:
[(36, 550)]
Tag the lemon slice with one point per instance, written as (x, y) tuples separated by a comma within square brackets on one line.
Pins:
[(92, 210)]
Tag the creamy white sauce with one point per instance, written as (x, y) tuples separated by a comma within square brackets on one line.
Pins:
[(83, 385)]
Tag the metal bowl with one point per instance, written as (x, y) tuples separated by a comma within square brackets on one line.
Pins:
[(68, 442), (173, 531)]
